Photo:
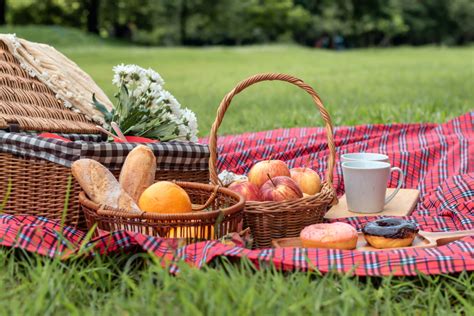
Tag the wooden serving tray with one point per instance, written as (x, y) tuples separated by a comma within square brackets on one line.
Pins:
[(422, 240), (402, 205)]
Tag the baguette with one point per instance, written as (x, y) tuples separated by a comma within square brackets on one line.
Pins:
[(101, 186), (138, 171)]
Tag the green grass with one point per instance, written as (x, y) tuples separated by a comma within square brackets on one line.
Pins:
[(359, 86), (137, 285)]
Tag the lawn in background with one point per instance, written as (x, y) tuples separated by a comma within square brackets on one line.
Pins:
[(360, 86), (425, 84)]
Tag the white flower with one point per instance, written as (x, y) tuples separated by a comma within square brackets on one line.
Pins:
[(121, 69), (137, 92), (154, 76), (155, 89), (129, 75), (133, 79), (170, 102), (168, 117), (174, 106), (190, 119), (183, 130), (144, 88), (116, 80), (193, 138), (120, 72), (140, 88), (164, 96)]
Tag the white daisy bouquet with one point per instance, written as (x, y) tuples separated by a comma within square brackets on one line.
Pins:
[(144, 108)]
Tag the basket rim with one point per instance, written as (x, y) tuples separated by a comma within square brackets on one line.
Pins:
[(105, 210), (308, 199)]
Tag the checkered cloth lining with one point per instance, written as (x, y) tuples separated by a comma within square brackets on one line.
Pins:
[(174, 156), (437, 159)]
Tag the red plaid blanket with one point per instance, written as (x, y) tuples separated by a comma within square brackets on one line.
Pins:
[(437, 159)]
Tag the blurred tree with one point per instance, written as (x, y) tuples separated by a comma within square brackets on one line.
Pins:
[(427, 21), (3, 9), (325, 23), (92, 7), (183, 20), (50, 12), (271, 17), (462, 13), (121, 18), (377, 22)]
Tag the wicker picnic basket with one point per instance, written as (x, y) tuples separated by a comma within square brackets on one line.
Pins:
[(39, 169), (218, 212), (270, 220)]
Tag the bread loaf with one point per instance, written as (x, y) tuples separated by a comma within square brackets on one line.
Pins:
[(101, 186), (138, 171)]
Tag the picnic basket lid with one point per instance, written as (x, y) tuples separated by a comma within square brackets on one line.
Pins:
[(27, 104)]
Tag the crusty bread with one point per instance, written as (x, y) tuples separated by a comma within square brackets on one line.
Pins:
[(138, 171), (101, 186)]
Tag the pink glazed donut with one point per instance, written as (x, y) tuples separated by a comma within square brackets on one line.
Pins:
[(334, 235)]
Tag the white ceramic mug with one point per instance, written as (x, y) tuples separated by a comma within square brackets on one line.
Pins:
[(364, 156), (366, 185)]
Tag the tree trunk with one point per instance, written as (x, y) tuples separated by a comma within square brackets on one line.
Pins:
[(93, 16), (183, 19), (3, 11)]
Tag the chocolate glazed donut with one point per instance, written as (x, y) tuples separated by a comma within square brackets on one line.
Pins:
[(390, 233)]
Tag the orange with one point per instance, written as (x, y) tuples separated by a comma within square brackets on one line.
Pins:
[(166, 198)]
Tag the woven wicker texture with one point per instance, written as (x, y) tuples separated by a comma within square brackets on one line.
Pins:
[(39, 187), (223, 215), (27, 102), (270, 220)]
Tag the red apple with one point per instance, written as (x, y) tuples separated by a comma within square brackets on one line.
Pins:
[(307, 179), (247, 189), (280, 189), (258, 174)]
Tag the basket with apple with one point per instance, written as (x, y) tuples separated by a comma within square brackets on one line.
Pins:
[(279, 202)]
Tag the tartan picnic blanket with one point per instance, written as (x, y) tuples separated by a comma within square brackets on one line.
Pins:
[(438, 159)]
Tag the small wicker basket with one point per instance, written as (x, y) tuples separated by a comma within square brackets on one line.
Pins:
[(270, 220), (224, 216)]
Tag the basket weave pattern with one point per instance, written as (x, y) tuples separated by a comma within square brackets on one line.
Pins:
[(27, 102), (39, 186), (269, 220), (224, 216)]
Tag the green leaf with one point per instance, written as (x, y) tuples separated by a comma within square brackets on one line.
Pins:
[(99, 106)]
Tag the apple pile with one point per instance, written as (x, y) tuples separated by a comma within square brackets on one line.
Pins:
[(272, 180)]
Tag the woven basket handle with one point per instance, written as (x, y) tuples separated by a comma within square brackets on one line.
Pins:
[(269, 77)]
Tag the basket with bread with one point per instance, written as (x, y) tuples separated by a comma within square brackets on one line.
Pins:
[(279, 202), (135, 202), (43, 91)]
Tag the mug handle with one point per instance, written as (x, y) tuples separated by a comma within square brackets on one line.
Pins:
[(400, 183)]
